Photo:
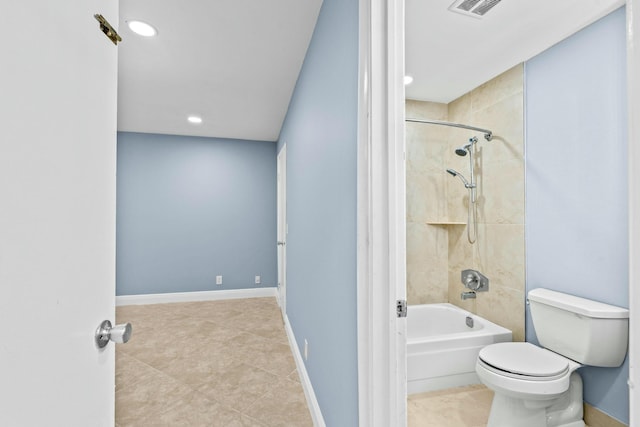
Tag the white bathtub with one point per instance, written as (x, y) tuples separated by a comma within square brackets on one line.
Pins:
[(442, 349)]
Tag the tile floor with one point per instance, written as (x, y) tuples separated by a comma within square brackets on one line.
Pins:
[(457, 407), (215, 363), (467, 406)]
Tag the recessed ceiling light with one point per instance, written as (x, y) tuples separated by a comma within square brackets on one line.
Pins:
[(196, 120), (408, 80), (142, 28)]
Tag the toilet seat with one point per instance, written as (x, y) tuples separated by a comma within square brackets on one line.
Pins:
[(523, 370), (524, 360)]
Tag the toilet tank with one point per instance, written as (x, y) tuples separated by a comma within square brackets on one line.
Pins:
[(589, 332)]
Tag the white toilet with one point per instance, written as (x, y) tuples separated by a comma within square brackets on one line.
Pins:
[(539, 387)]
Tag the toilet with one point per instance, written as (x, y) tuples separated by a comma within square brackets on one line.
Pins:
[(539, 386)]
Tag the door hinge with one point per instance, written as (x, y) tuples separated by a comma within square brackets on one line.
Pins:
[(401, 308), (107, 29)]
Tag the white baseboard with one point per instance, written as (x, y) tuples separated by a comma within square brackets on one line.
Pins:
[(195, 296), (312, 401)]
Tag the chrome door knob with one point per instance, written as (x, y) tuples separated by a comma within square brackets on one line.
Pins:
[(119, 334)]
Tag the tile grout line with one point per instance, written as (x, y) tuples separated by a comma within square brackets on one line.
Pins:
[(165, 374)]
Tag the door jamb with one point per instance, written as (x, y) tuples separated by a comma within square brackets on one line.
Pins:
[(381, 214), (281, 166), (633, 91)]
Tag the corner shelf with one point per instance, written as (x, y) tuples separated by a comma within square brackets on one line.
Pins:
[(445, 223)]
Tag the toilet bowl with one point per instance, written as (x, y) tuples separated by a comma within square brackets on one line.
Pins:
[(531, 384), (540, 386)]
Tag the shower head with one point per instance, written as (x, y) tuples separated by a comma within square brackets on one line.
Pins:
[(452, 172), (462, 151)]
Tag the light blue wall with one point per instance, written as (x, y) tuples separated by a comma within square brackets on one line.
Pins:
[(191, 208), (321, 136), (576, 181)]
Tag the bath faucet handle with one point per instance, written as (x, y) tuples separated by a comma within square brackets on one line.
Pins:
[(474, 280)]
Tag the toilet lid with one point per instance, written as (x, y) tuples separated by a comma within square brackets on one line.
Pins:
[(524, 359)]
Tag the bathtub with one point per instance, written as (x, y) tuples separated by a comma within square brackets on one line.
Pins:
[(442, 349)]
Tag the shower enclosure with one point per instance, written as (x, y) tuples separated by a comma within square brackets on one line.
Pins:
[(470, 185), (437, 204)]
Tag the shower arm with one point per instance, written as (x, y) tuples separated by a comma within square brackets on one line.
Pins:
[(488, 135)]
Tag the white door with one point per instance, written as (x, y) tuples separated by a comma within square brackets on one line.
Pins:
[(282, 228), (57, 212)]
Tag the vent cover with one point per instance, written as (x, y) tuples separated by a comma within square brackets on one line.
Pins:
[(474, 8)]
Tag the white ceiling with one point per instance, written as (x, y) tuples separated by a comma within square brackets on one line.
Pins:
[(449, 54), (236, 62), (233, 62)]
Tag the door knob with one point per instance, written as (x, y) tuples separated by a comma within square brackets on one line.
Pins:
[(119, 334), (281, 243)]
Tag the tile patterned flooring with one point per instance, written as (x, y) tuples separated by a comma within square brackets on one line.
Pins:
[(467, 406), (214, 363), (456, 407)]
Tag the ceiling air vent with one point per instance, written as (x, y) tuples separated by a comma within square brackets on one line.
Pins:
[(475, 8)]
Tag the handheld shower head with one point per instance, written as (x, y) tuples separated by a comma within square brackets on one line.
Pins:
[(456, 173)]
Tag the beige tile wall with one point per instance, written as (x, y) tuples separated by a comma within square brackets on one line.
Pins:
[(427, 245), (436, 253)]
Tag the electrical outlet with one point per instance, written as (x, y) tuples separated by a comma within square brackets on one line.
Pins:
[(305, 351), (218, 280), (257, 280)]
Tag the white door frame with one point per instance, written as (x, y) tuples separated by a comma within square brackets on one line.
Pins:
[(633, 90), (381, 215), (282, 227)]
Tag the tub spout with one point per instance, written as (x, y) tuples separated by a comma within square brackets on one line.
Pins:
[(467, 295)]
